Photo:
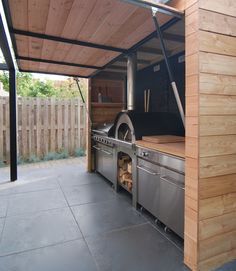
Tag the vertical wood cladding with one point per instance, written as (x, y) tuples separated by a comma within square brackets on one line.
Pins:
[(210, 206)]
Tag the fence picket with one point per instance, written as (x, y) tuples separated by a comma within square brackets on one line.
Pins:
[(44, 125)]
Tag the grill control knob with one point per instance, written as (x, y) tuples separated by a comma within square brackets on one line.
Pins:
[(145, 154)]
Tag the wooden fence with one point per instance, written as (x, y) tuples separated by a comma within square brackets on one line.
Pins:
[(44, 125)]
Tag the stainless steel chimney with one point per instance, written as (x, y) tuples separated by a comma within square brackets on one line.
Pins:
[(131, 80)]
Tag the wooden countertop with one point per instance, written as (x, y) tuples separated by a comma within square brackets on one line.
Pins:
[(177, 148)]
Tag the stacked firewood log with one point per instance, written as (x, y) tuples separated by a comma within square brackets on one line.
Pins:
[(125, 171)]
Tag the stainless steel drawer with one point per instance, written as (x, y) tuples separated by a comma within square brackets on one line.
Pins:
[(161, 192), (105, 162), (148, 182), (171, 204)]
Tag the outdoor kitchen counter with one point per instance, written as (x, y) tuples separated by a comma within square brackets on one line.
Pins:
[(176, 149)]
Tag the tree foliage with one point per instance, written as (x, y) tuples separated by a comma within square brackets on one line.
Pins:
[(28, 86)]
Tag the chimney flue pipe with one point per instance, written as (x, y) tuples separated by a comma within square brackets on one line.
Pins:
[(131, 80)]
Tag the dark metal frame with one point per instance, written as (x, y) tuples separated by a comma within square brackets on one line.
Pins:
[(159, 6), (65, 40), (7, 53), (139, 44), (58, 62), (3, 67), (54, 73)]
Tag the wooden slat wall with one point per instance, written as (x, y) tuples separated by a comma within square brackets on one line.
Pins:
[(106, 112), (210, 208), (217, 138), (192, 127), (44, 125), (102, 112)]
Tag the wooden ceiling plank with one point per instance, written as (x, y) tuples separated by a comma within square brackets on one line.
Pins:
[(97, 15), (78, 15), (37, 18), (19, 13), (19, 16), (117, 17), (57, 16)]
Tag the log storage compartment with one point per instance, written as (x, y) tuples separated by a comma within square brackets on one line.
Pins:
[(125, 171)]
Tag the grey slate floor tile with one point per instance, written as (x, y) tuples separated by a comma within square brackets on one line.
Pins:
[(105, 216), (3, 206), (45, 228), (88, 193), (228, 266), (44, 183), (138, 248), (71, 178), (36, 201), (1, 226), (70, 256)]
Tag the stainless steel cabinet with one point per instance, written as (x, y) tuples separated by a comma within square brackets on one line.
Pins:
[(148, 186), (105, 161), (161, 190)]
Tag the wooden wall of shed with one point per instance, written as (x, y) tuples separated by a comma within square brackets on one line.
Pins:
[(102, 112), (217, 135), (106, 112), (210, 209)]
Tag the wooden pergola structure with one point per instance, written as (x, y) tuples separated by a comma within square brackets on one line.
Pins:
[(81, 38)]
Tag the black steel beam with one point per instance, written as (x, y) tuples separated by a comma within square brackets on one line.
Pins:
[(173, 37), (152, 51), (3, 67), (65, 40), (162, 8), (54, 73), (48, 61), (135, 47), (8, 56), (140, 61), (117, 67), (13, 125), (4, 44), (7, 12)]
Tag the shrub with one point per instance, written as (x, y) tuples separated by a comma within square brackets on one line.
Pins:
[(20, 160), (2, 164), (79, 152), (33, 159), (56, 155)]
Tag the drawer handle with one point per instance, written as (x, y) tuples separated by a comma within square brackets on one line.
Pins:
[(107, 152), (148, 171), (171, 182), (96, 148)]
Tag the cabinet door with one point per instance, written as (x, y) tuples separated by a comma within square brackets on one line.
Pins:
[(171, 211), (148, 178)]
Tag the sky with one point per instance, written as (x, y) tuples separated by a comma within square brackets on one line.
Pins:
[(49, 77)]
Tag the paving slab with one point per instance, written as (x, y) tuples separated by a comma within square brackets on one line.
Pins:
[(105, 216), (138, 248), (70, 256), (74, 177), (3, 206), (45, 228), (88, 193), (36, 201)]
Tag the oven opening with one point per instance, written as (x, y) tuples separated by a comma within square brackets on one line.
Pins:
[(124, 133), (125, 171)]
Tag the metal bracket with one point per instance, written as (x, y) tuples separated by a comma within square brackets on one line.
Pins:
[(159, 5), (82, 98)]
